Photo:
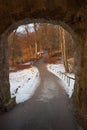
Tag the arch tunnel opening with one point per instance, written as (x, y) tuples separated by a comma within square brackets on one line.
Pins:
[(49, 51), (30, 43), (73, 13)]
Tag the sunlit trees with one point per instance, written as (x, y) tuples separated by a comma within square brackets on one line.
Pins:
[(45, 37), (64, 52), (35, 31), (66, 43), (29, 52), (15, 52)]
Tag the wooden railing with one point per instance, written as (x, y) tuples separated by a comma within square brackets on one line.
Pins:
[(66, 77)]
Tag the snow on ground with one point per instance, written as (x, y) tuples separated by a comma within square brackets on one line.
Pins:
[(55, 68), (28, 63), (24, 83)]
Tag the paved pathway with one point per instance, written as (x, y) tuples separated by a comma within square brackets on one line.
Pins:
[(48, 109)]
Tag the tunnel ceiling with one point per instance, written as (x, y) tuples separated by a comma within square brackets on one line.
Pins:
[(72, 12)]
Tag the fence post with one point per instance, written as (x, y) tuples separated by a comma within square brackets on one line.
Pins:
[(69, 81), (66, 77)]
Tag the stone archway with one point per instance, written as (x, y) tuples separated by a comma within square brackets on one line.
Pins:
[(73, 13)]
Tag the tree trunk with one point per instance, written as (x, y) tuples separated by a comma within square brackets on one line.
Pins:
[(63, 48), (35, 38), (64, 52), (13, 48)]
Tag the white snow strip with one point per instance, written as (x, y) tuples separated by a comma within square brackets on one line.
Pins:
[(28, 63), (24, 83), (55, 68)]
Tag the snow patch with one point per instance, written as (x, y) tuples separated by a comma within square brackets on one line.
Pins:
[(55, 68), (28, 63), (24, 83)]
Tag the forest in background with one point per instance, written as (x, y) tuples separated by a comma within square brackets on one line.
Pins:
[(31, 42)]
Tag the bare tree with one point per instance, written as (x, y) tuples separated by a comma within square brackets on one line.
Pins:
[(63, 48), (27, 38), (35, 38)]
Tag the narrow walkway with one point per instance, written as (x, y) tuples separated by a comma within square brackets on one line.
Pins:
[(48, 109)]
